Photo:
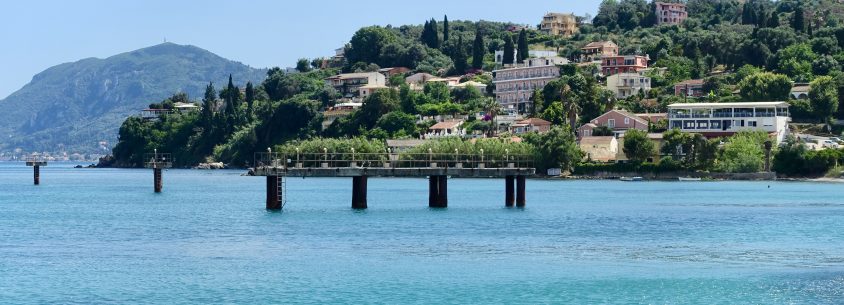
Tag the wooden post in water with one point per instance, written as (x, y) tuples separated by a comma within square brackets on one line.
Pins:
[(359, 192), (509, 191), (520, 191), (157, 181)]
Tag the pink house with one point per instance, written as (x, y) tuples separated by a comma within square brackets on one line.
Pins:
[(617, 120)]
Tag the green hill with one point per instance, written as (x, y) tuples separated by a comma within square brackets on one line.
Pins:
[(77, 105)]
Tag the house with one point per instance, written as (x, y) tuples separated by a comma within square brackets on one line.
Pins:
[(597, 50), (558, 24), (515, 28), (616, 120), (448, 81), (725, 119), (480, 86), (689, 88), (530, 125), (656, 138), (514, 86), (393, 71), (186, 107), (419, 78), (367, 90), (800, 91), (623, 64), (499, 55), (653, 118), (601, 149), (338, 111), (628, 84), (670, 13), (349, 84), (446, 129)]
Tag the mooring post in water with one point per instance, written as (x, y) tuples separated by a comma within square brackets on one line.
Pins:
[(443, 196), (520, 191), (437, 191), (36, 162), (359, 192), (273, 193), (509, 191), (157, 162)]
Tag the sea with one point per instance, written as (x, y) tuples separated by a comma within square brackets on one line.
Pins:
[(102, 236)]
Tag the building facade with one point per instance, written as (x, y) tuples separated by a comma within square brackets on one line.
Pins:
[(623, 64), (514, 86), (628, 84), (499, 55), (670, 13), (530, 125), (349, 84), (689, 88), (559, 24), (725, 119), (597, 50), (617, 120)]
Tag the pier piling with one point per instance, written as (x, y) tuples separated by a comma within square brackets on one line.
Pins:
[(359, 192), (273, 193), (520, 191), (509, 190), (157, 180), (437, 191), (36, 172)]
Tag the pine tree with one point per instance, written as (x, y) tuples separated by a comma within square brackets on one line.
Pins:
[(798, 21), (445, 29), (459, 57), (523, 47), (508, 50), (478, 49)]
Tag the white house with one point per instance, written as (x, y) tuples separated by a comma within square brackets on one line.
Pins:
[(725, 119), (628, 84)]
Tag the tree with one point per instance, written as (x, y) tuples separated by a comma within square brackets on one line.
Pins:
[(302, 65), (765, 86), (209, 106), (823, 95), (825, 65), (478, 49), (367, 43), (396, 122), (637, 146), (508, 50), (430, 34), (555, 113), (523, 52), (445, 29), (250, 98), (556, 148), (743, 153), (798, 21), (459, 57)]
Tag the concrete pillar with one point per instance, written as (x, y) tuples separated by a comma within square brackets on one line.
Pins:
[(509, 191), (273, 194), (520, 191), (433, 191), (157, 183), (359, 192), (442, 199), (36, 174)]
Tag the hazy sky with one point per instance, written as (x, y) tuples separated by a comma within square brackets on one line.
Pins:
[(36, 35)]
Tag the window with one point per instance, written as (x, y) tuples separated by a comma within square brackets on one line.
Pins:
[(688, 124), (676, 124), (611, 123), (715, 124), (702, 124), (626, 121), (751, 123)]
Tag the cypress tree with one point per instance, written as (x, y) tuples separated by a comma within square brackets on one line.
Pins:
[(445, 29), (459, 57), (425, 33), (508, 50), (774, 21), (435, 36), (523, 47), (250, 98), (798, 21), (208, 106), (478, 49), (745, 14)]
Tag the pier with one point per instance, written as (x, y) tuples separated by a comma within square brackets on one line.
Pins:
[(157, 162), (36, 162), (438, 168)]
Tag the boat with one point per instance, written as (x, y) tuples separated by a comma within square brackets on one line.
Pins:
[(632, 179), (688, 179)]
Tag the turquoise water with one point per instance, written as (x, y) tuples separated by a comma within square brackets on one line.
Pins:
[(102, 236)]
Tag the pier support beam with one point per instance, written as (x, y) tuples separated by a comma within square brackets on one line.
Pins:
[(36, 174), (157, 183), (359, 192), (509, 190), (437, 191), (520, 191), (273, 193)]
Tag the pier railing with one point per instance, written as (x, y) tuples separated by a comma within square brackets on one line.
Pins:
[(158, 160), (35, 160), (390, 160)]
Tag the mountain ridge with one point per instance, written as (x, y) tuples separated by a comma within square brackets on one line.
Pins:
[(75, 105)]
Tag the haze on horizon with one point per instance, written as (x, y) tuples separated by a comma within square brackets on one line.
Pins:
[(42, 34)]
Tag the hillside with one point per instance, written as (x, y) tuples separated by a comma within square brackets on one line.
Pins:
[(79, 104)]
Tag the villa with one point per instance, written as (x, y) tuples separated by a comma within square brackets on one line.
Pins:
[(349, 84), (514, 86), (725, 119)]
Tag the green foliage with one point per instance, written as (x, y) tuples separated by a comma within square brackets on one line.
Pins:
[(602, 131), (509, 50), (690, 150), (556, 148), (823, 95), (367, 43), (397, 123), (743, 153), (478, 50), (637, 146), (522, 54), (796, 61), (794, 160), (303, 65), (765, 86)]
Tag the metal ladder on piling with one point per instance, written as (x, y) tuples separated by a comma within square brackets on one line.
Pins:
[(282, 190)]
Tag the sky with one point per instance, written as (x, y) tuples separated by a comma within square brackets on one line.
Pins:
[(36, 35)]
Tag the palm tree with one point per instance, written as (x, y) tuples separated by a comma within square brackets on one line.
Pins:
[(491, 108), (570, 105)]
